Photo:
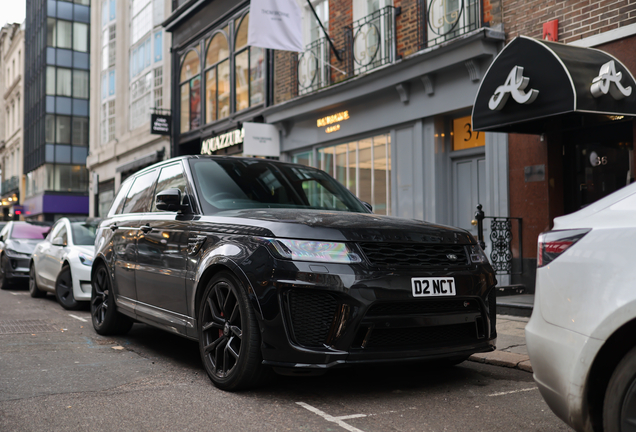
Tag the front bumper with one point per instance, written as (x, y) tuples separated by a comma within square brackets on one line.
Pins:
[(329, 315), (81, 281), (17, 268)]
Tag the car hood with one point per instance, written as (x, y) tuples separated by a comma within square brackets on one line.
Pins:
[(333, 226), (25, 246), (88, 250)]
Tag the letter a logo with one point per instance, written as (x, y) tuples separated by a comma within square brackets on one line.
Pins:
[(515, 85)]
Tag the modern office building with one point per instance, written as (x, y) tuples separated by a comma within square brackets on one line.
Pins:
[(56, 108), (130, 69), (11, 114)]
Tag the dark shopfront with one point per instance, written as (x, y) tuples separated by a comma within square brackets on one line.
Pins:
[(219, 81), (569, 112)]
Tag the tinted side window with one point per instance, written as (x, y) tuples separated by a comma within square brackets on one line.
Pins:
[(64, 234), (171, 177), (138, 198), (55, 231), (118, 203)]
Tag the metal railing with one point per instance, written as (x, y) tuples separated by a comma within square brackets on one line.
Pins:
[(312, 69), (444, 20), (371, 41), (10, 185), (501, 256)]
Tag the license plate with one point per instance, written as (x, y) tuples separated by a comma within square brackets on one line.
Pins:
[(431, 287)]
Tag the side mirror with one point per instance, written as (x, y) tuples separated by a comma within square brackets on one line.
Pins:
[(368, 206), (169, 200), (58, 241)]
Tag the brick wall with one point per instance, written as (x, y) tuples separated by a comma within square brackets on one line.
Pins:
[(340, 16), (577, 18), (284, 79), (406, 27)]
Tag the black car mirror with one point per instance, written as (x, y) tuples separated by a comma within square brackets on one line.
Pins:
[(169, 200), (367, 206), (58, 241)]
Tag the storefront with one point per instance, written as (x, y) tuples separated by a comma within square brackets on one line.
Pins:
[(401, 139), (220, 81), (580, 104)]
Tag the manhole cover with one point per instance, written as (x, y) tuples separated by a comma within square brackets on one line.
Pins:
[(26, 326)]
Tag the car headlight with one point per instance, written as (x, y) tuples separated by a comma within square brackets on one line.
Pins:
[(477, 254), (315, 251), (16, 254), (87, 260)]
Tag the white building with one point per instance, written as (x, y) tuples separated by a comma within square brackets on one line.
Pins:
[(130, 76), (11, 109)]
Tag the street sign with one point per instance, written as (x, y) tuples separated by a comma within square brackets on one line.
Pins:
[(160, 124)]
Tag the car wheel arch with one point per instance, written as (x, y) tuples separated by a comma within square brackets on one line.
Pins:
[(604, 364), (213, 270)]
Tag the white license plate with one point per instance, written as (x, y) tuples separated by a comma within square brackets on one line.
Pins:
[(431, 286)]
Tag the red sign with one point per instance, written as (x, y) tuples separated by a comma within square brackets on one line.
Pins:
[(551, 30)]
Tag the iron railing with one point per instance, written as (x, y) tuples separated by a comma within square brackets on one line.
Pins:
[(312, 69), (444, 20), (371, 41), (10, 185), (501, 236)]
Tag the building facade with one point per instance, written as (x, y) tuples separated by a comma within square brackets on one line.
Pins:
[(11, 143), (56, 108), (130, 67), (561, 164), (387, 112)]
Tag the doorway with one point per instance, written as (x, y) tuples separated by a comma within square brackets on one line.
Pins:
[(469, 189)]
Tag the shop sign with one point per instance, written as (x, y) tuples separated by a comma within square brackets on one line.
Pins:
[(602, 84), (160, 124), (261, 139), (222, 141), (515, 85), (335, 118)]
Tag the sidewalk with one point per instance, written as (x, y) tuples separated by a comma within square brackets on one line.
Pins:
[(511, 344)]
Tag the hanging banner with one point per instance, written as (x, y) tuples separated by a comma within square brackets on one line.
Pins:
[(261, 139), (275, 24)]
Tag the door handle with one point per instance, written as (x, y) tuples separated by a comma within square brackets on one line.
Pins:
[(113, 227), (146, 228)]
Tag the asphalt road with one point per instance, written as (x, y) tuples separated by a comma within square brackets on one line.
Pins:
[(57, 374)]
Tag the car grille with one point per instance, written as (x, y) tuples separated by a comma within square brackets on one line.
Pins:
[(416, 255), (418, 337), (311, 314), (423, 307)]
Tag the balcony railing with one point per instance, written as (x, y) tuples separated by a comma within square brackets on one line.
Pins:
[(313, 67), (371, 40), (10, 185), (444, 20)]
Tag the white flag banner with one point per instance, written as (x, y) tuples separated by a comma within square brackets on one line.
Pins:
[(275, 24)]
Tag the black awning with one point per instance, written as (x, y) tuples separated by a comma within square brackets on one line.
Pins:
[(536, 86)]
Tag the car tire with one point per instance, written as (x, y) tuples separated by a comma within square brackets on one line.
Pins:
[(64, 290), (229, 337), (34, 289), (106, 319), (4, 282), (619, 407)]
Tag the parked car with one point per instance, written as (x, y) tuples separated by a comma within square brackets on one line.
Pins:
[(61, 264), (582, 334), (278, 266), (17, 241)]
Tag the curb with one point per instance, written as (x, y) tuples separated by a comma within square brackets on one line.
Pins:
[(505, 359)]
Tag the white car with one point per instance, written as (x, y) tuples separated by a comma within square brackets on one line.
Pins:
[(61, 264), (582, 334)]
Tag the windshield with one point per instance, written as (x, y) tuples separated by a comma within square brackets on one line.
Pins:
[(28, 231), (83, 233), (232, 183)]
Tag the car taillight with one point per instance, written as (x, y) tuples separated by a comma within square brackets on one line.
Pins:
[(554, 243)]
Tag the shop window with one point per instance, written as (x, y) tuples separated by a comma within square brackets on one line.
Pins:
[(249, 70), (364, 167), (217, 78), (190, 92)]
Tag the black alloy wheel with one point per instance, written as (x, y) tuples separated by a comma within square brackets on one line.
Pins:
[(229, 339), (64, 290), (34, 289), (619, 407), (106, 319)]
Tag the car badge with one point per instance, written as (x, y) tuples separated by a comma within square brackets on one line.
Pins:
[(466, 304), (451, 257)]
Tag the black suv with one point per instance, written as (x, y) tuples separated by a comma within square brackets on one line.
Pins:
[(273, 265)]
